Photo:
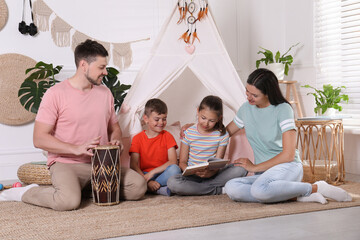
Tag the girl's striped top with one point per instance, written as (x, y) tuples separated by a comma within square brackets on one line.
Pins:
[(202, 147)]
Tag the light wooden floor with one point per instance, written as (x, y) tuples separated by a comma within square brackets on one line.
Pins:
[(341, 224)]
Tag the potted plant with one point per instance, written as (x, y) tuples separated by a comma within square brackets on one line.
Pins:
[(43, 77), (327, 99), (277, 63)]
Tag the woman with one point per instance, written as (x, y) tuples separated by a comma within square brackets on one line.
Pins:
[(269, 124)]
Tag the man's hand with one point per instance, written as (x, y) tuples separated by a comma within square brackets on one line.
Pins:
[(86, 148), (117, 142)]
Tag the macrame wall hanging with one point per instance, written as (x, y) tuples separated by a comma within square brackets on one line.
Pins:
[(191, 12), (65, 35)]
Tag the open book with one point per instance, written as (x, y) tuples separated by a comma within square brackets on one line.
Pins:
[(212, 163)]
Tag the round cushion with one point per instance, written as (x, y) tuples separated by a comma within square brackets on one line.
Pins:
[(34, 173)]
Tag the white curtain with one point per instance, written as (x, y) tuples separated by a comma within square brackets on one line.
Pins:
[(337, 41)]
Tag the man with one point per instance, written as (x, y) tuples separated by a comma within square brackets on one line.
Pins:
[(75, 116)]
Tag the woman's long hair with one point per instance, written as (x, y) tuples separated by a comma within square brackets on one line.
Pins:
[(266, 81)]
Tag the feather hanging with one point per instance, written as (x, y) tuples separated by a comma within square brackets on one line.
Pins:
[(181, 14), (184, 12), (200, 14), (187, 39), (184, 35), (195, 37)]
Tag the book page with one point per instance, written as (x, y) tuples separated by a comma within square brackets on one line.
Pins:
[(212, 163), (216, 163), (190, 170)]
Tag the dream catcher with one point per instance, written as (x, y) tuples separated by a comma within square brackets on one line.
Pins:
[(190, 14)]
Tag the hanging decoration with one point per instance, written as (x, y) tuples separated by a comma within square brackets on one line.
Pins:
[(65, 35), (79, 37), (25, 29), (190, 13), (60, 32), (42, 15), (12, 75)]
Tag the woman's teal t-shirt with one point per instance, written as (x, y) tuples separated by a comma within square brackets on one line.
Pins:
[(264, 128)]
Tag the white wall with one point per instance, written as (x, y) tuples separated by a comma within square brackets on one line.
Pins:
[(16, 146), (244, 26)]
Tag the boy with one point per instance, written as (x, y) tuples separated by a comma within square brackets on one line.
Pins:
[(152, 151)]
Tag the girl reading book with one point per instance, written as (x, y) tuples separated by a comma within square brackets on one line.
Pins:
[(206, 139)]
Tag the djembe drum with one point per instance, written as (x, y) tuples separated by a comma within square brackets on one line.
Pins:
[(105, 176)]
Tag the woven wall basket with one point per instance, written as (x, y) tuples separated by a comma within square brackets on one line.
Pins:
[(3, 14), (34, 173), (12, 75)]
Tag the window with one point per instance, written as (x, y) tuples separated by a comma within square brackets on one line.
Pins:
[(337, 48)]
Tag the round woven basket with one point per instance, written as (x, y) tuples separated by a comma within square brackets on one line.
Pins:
[(319, 171), (3, 13), (34, 173), (12, 75)]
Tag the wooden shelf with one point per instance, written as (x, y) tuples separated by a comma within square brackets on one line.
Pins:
[(290, 87)]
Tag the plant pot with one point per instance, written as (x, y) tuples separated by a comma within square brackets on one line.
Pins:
[(278, 69), (329, 112)]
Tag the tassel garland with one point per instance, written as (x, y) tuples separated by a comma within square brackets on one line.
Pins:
[(42, 15), (60, 32)]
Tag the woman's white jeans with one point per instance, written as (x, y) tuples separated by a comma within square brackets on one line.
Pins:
[(279, 183)]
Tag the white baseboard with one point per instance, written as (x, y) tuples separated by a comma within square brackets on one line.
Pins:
[(352, 166), (11, 160)]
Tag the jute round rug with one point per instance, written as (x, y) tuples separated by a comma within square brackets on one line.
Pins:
[(12, 75), (152, 214)]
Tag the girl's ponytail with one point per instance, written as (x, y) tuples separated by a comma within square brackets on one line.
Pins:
[(220, 127)]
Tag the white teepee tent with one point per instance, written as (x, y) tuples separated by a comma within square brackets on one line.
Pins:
[(210, 63)]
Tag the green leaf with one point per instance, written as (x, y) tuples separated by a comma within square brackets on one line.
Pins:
[(289, 50), (277, 56), (118, 90), (269, 57), (286, 69), (30, 94), (31, 91)]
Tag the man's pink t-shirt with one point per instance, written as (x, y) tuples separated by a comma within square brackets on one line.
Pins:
[(77, 116)]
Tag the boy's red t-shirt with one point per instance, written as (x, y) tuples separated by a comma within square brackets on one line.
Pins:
[(153, 151)]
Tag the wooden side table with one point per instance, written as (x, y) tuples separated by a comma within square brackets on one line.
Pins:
[(290, 87), (322, 154)]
